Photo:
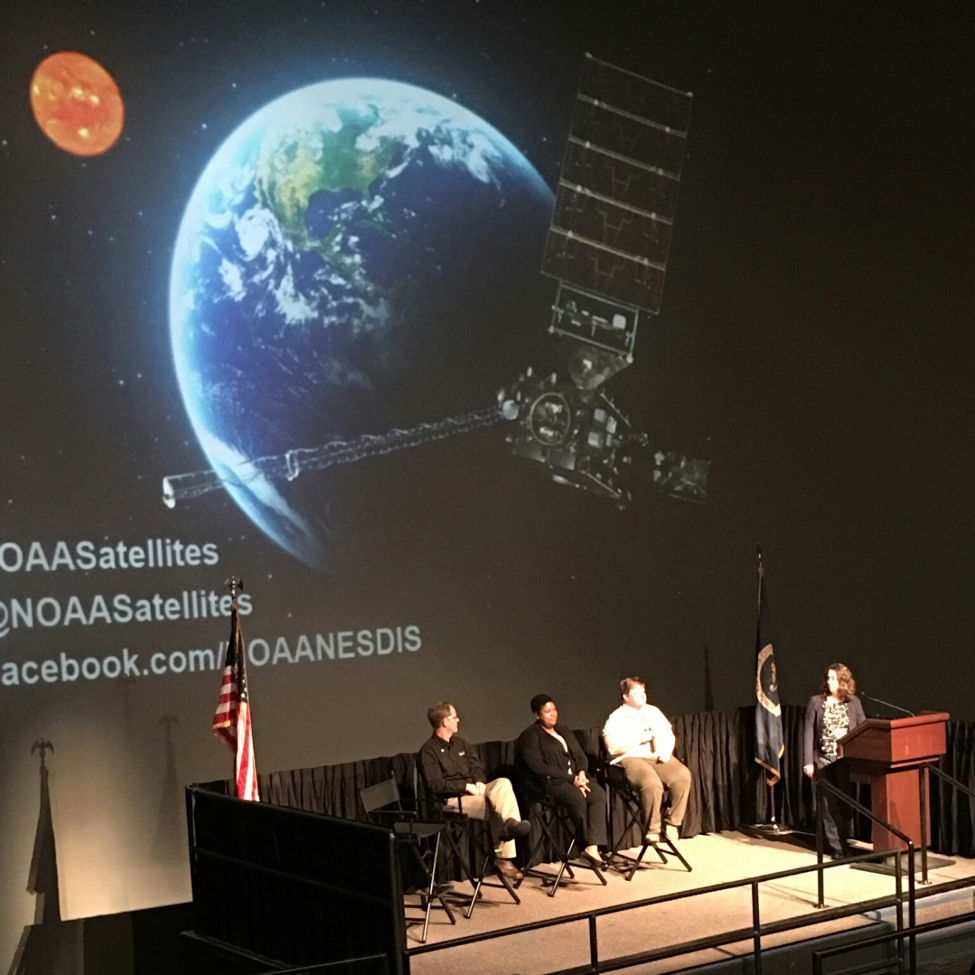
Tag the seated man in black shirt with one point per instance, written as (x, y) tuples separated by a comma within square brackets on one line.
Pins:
[(453, 772)]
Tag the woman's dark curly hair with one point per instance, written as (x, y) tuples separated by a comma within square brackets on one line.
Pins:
[(848, 685)]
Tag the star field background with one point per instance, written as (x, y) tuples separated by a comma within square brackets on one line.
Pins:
[(814, 344)]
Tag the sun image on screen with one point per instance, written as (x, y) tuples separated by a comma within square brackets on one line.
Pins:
[(77, 103)]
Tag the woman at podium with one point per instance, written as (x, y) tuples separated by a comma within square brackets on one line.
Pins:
[(831, 714)]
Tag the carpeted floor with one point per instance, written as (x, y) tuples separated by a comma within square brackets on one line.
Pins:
[(716, 858)]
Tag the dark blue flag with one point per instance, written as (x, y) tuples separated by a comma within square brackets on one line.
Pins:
[(769, 748)]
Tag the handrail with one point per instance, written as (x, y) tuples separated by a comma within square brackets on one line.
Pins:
[(756, 931), (881, 939), (326, 966), (948, 778), (822, 785), (923, 801)]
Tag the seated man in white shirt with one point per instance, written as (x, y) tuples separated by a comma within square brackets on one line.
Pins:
[(640, 739)]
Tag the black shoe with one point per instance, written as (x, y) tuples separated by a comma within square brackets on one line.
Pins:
[(596, 862), (515, 829)]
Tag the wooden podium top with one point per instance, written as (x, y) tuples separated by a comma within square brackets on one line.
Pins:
[(897, 742)]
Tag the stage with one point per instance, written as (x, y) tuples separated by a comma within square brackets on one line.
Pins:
[(716, 858)]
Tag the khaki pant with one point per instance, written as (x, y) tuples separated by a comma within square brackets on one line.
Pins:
[(497, 805), (651, 778)]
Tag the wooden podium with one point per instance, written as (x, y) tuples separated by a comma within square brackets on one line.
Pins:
[(886, 755)]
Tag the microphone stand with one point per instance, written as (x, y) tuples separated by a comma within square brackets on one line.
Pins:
[(887, 704)]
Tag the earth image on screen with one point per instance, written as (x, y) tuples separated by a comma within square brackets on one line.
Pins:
[(359, 255)]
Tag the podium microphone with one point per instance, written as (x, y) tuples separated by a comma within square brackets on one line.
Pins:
[(887, 704)]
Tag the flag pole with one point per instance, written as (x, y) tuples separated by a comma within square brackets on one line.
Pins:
[(769, 709), (233, 585), (772, 825)]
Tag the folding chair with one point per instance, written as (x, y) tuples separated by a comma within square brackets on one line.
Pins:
[(549, 814), (384, 807), (617, 784), (465, 832)]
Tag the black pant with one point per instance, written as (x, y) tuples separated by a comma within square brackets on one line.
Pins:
[(587, 812), (836, 814)]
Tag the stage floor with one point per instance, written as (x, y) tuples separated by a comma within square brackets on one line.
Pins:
[(716, 858)]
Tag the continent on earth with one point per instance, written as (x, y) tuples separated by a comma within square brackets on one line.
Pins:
[(297, 166)]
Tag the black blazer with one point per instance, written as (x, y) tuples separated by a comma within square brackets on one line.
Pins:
[(814, 724), (538, 753)]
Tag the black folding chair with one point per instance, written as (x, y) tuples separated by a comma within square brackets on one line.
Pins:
[(384, 807), (552, 818), (474, 835), (617, 784), (466, 837)]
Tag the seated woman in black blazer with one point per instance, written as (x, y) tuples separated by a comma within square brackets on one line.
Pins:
[(550, 751)]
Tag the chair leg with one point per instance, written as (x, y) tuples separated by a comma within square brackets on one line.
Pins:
[(565, 866), (598, 873), (547, 822), (531, 856), (671, 846), (633, 819), (466, 869), (549, 825), (636, 862), (507, 886), (663, 841), (504, 882), (464, 863), (431, 894), (477, 890)]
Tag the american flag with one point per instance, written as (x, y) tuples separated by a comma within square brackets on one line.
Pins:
[(232, 720)]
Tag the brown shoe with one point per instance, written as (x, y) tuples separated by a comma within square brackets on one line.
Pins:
[(507, 869)]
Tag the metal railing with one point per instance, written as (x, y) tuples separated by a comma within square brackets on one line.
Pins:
[(923, 793), (754, 933), (898, 936), (822, 786), (758, 929), (913, 928), (348, 966)]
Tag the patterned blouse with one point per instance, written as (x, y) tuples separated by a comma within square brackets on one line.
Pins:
[(836, 723)]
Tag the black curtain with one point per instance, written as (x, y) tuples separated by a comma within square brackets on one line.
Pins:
[(953, 812), (717, 746)]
